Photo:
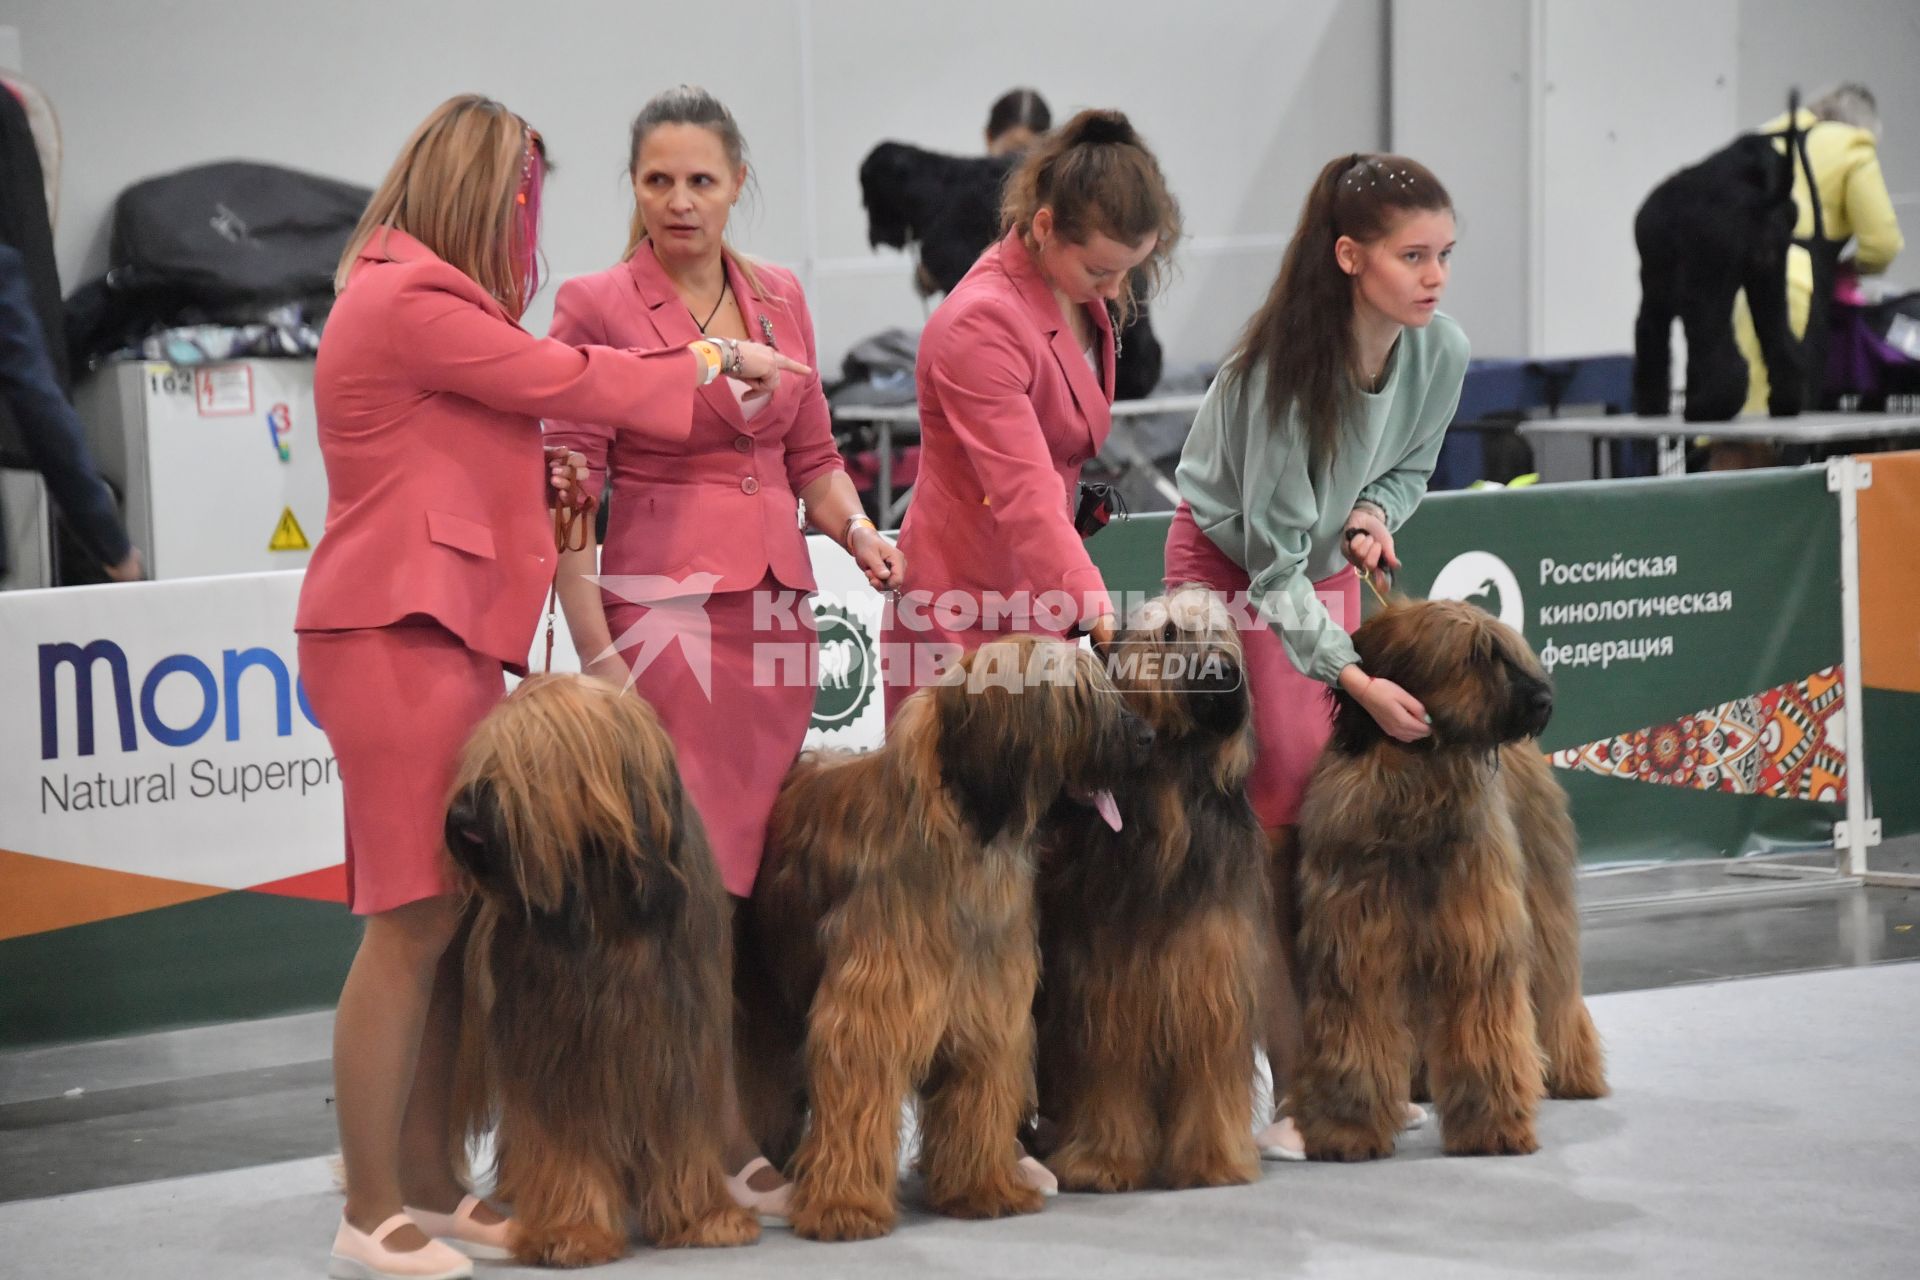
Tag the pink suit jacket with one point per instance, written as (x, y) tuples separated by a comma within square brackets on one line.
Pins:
[(1009, 412), (429, 399), (720, 498)]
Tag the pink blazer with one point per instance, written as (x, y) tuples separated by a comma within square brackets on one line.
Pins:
[(720, 498), (1009, 411), (429, 399)]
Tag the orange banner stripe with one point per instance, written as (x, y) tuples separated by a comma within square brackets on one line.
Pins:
[(1890, 573), (38, 894)]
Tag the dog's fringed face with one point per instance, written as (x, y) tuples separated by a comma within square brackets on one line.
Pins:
[(1180, 665), (1477, 678), (1022, 719), (568, 810)]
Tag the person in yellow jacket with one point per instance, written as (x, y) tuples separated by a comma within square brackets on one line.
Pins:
[(1843, 129)]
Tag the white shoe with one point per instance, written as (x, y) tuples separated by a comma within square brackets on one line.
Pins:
[(1038, 1176), (771, 1207), (1281, 1141), (487, 1241), (363, 1255)]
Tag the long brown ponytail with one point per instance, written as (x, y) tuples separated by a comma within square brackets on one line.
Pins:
[(1302, 335)]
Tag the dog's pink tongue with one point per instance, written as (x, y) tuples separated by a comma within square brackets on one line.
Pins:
[(1107, 807)]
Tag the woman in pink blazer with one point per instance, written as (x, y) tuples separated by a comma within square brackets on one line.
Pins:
[(705, 570), (1015, 377), (424, 590)]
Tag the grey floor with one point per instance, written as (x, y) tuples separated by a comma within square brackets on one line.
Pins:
[(1761, 1049)]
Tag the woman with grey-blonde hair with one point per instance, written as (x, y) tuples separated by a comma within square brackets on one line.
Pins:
[(1842, 126)]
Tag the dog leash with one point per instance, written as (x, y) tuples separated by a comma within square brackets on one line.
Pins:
[(1369, 576), (569, 534)]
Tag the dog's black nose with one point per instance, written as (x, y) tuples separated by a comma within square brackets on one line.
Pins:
[(1538, 702), (1143, 737)]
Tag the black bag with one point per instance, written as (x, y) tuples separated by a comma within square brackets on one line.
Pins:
[(1098, 503), (220, 243)]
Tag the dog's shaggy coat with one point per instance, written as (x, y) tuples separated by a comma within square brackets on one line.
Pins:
[(598, 987), (1437, 917), (893, 932), (1152, 936)]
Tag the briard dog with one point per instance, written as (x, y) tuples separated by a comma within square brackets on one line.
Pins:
[(893, 926), (1436, 902), (598, 977), (1152, 937)]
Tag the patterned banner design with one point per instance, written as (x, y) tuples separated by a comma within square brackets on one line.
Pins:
[(1787, 742)]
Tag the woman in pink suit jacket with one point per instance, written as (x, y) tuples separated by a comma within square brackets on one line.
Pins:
[(705, 568), (1015, 377), (425, 588)]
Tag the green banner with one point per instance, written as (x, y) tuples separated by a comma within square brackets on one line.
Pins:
[(1693, 629), (1692, 626)]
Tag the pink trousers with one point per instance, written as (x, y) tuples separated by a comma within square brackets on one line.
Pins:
[(1292, 713)]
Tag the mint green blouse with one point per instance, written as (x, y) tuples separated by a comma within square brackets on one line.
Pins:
[(1254, 496)]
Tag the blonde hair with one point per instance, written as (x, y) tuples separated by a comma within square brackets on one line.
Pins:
[(454, 188), (688, 104)]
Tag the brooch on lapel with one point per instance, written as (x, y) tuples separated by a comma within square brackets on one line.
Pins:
[(766, 331)]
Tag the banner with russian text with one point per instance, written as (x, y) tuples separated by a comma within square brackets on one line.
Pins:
[(1693, 630)]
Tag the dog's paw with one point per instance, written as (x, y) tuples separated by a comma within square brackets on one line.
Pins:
[(1515, 1138), (1345, 1143), (724, 1228), (841, 1221), (1228, 1168), (586, 1246), (1577, 1068), (1079, 1169), (1578, 1085), (1003, 1198)]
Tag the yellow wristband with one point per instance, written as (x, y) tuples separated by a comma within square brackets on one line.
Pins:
[(709, 359)]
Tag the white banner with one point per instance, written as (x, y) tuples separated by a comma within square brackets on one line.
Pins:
[(160, 729)]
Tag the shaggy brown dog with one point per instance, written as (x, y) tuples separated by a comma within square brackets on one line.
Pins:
[(1152, 937), (596, 1021), (894, 925), (1436, 902)]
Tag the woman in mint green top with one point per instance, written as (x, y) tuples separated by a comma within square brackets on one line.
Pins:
[(1313, 447)]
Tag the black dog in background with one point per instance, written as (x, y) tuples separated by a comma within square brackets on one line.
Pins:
[(950, 207), (1704, 234)]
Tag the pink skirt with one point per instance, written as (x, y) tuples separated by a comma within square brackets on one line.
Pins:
[(737, 736), (397, 704), (1292, 713)]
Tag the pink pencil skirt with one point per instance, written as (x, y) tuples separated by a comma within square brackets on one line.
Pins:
[(397, 704), (737, 737)]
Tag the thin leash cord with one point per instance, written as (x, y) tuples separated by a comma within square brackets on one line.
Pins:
[(1368, 576), (569, 524)]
